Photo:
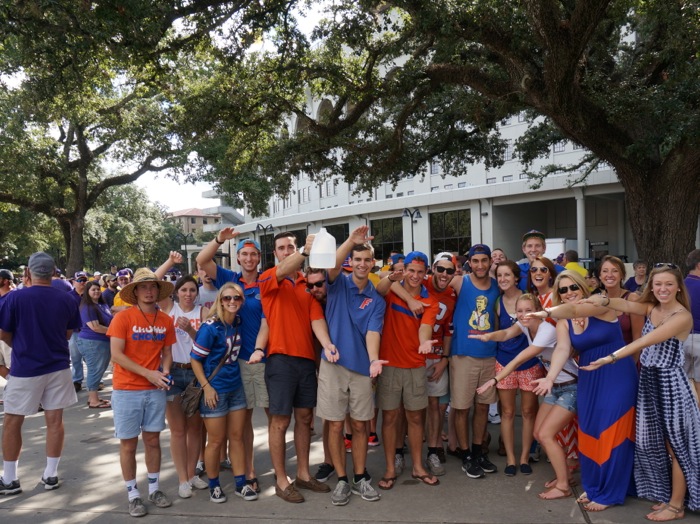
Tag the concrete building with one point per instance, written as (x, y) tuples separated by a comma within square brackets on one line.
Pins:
[(195, 220)]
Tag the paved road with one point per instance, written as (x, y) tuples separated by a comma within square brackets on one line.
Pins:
[(92, 489)]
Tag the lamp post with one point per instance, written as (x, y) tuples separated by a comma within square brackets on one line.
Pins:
[(414, 216), (185, 240), (263, 231)]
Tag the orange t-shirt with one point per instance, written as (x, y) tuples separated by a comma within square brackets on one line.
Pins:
[(144, 344), (289, 309), (446, 300), (400, 339)]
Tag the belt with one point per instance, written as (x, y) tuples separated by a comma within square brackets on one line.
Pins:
[(567, 383), (179, 365)]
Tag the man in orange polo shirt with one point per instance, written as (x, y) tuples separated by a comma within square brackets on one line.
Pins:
[(406, 340), (290, 373)]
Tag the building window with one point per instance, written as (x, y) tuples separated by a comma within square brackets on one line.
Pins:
[(399, 195), (491, 180), (448, 186), (388, 236), (508, 151), (434, 188), (450, 231), (560, 147), (339, 231), (409, 193), (508, 178), (435, 167), (193, 220), (523, 176), (576, 147), (521, 116), (461, 185), (389, 196)]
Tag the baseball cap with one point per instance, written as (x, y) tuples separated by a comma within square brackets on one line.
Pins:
[(248, 242), (124, 273), (397, 257), (533, 233), (416, 256), (41, 264), (109, 277), (81, 274), (479, 249), (7, 274), (445, 255), (97, 274)]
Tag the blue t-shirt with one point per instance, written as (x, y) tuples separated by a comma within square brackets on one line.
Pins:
[(38, 318), (211, 344), (475, 314), (108, 296), (251, 313), (508, 350), (350, 313), (89, 314)]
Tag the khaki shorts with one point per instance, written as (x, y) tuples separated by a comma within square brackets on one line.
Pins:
[(5, 355), (53, 391), (341, 391), (442, 386), (467, 374), (253, 377), (397, 385)]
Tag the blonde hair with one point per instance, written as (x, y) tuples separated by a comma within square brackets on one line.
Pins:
[(532, 298), (648, 294), (217, 309), (571, 275)]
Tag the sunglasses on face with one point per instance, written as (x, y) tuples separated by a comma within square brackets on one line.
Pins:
[(229, 298), (564, 290), (665, 264), (448, 270), (535, 269), (81, 280), (318, 284)]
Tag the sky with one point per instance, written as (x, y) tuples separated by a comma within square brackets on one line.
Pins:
[(173, 195)]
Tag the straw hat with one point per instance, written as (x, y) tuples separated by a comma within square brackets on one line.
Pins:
[(165, 289)]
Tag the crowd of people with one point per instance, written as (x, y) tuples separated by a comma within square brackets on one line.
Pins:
[(617, 362)]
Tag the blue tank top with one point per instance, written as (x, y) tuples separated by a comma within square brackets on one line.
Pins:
[(475, 313), (508, 350)]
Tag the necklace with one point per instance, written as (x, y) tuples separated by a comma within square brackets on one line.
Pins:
[(580, 322), (155, 318)]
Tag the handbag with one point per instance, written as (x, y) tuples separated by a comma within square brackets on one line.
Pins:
[(192, 395)]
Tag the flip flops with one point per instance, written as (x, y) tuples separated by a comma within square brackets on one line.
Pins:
[(388, 483), (425, 479), (102, 404)]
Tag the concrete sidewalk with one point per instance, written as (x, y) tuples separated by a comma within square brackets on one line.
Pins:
[(92, 489)]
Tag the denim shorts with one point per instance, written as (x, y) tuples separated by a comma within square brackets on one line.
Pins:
[(231, 401), (181, 377), (137, 411), (563, 396)]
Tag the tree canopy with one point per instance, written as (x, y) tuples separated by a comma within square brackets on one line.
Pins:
[(207, 89)]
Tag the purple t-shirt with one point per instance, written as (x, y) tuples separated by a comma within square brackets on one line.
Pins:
[(693, 284), (88, 314), (38, 318), (61, 285)]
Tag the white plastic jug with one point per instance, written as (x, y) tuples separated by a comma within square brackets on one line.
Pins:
[(323, 250)]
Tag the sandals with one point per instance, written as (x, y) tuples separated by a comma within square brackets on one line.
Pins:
[(551, 483), (555, 493), (102, 404), (388, 483), (425, 479), (676, 512), (583, 499)]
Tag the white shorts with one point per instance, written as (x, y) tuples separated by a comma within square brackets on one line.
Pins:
[(23, 395)]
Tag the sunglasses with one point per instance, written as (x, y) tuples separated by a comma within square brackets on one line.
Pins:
[(665, 264), (318, 284), (535, 269), (229, 298), (566, 289), (448, 270), (81, 280)]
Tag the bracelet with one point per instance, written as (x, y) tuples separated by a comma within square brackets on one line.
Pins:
[(613, 358), (205, 385), (495, 381), (372, 362), (607, 303), (259, 349), (216, 239), (549, 312)]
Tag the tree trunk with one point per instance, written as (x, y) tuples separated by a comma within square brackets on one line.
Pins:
[(75, 247), (662, 208)]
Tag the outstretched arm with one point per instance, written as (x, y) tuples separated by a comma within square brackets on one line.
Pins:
[(173, 258), (499, 336), (618, 304), (205, 258), (357, 236)]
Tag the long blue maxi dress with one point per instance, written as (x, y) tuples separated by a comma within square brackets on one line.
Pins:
[(606, 414), (667, 412)]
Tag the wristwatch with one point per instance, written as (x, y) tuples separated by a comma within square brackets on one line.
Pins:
[(302, 252)]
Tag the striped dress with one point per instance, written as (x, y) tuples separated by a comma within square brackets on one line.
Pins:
[(666, 412)]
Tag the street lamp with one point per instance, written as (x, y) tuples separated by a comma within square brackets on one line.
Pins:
[(186, 239), (414, 216), (263, 231)]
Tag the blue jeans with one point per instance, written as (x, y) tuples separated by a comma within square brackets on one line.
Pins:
[(97, 355), (76, 359)]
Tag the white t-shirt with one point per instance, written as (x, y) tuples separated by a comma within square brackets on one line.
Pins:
[(546, 338)]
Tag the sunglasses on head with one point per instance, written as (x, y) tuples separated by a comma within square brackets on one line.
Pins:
[(566, 289), (665, 264), (448, 270), (318, 284), (229, 298), (535, 269)]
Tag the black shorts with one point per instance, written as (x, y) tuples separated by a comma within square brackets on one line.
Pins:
[(291, 383)]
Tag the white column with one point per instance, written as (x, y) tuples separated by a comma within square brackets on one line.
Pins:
[(580, 222)]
